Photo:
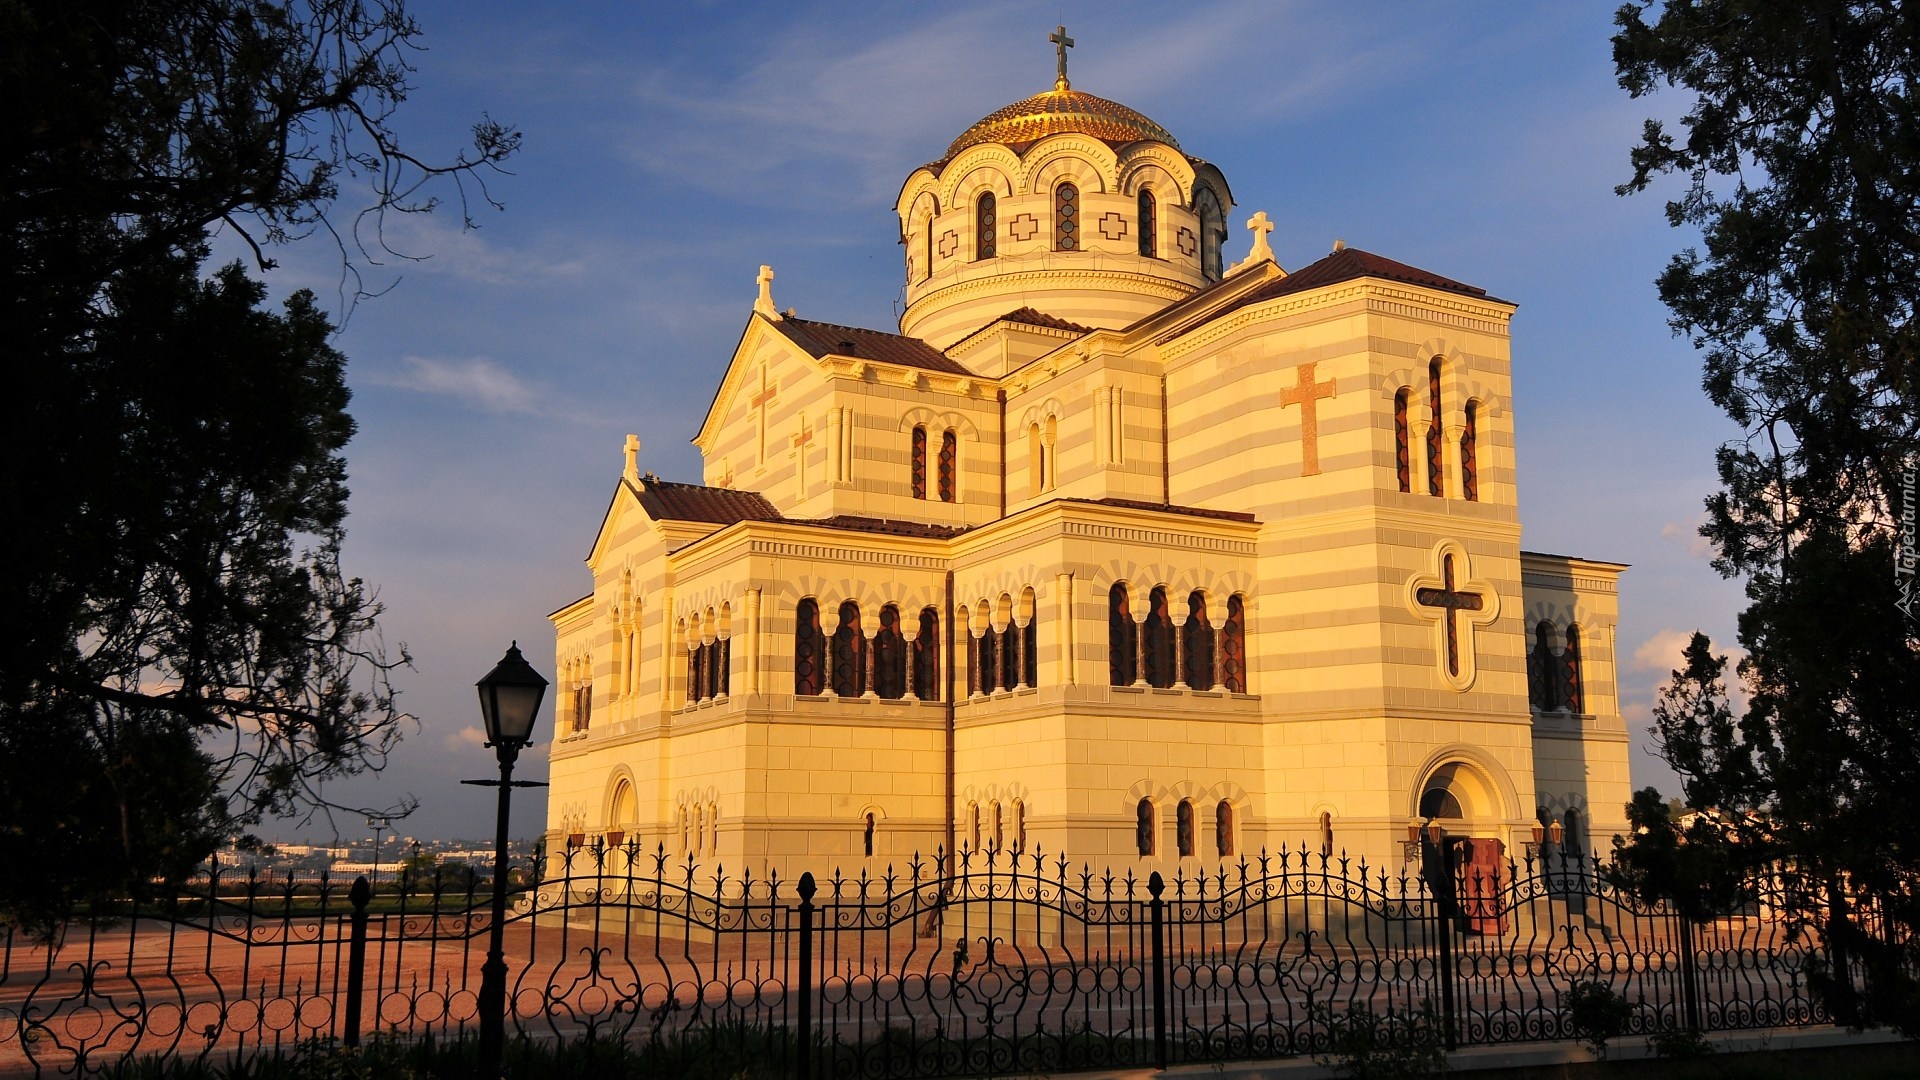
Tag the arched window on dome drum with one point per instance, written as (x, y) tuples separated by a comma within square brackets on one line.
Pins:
[(849, 653), (919, 459), (1223, 829), (949, 466), (1066, 218), (890, 656), (1543, 682), (1571, 693), (1149, 225), (985, 220), (1469, 465), (1436, 465), (926, 239), (808, 663), (1183, 827), (926, 657), (1159, 630), (1233, 644), (1402, 443), (1213, 231), (1144, 826), (1196, 643), (1121, 643)]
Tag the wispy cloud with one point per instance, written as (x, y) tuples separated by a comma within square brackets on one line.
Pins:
[(1687, 534), (477, 382)]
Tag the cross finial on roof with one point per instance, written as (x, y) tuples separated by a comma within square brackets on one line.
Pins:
[(1260, 225), (764, 305), (631, 469), (1061, 43)]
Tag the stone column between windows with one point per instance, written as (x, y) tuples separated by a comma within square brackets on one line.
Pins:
[(1179, 652), (1063, 627), (976, 669), (1455, 474), (1018, 631), (1417, 450), (909, 634), (1220, 655), (722, 668), (753, 642), (1000, 654), (695, 686), (866, 662), (1140, 642), (665, 704)]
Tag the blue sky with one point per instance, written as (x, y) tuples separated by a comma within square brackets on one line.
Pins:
[(673, 148)]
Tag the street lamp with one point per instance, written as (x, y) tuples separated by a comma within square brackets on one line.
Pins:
[(379, 823), (509, 701)]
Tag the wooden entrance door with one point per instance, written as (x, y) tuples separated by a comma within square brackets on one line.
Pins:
[(1481, 865)]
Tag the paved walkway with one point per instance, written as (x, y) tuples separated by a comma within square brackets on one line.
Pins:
[(1535, 1055)]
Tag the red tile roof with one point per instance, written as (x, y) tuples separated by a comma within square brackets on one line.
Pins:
[(1040, 318), (664, 500), (1348, 264), (823, 339)]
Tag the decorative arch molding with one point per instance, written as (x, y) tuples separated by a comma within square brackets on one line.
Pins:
[(1009, 580), (986, 793), (1158, 167), (1206, 796), (1038, 413), (693, 606), (984, 167), (936, 421), (619, 775), (780, 599), (1092, 164), (1469, 623), (1562, 615), (688, 797), (1498, 785)]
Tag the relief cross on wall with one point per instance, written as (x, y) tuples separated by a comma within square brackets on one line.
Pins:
[(1457, 604)]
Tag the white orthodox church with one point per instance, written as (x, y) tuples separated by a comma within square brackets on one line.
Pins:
[(1110, 550)]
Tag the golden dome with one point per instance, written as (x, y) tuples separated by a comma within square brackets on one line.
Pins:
[(1061, 110)]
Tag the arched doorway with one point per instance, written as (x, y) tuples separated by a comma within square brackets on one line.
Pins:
[(1467, 864)]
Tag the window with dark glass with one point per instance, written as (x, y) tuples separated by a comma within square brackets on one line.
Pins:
[(1436, 466), (849, 653), (1402, 445), (1233, 643), (1469, 464), (1183, 827), (808, 663), (1571, 695), (949, 466), (1159, 630), (1121, 642), (1148, 225), (1066, 217), (1196, 643), (926, 657), (1223, 829), (1213, 231), (890, 656), (919, 459), (1543, 678), (1143, 826), (984, 219)]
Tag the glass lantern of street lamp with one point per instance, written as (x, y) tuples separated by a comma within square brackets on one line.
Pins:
[(510, 700)]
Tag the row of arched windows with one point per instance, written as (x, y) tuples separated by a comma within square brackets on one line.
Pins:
[(699, 828), (1436, 461), (947, 465), (1553, 679), (1007, 658), (1185, 828), (1001, 828), (707, 670), (1197, 654), (852, 662), (1067, 226)]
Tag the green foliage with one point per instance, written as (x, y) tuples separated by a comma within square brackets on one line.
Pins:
[(1800, 160), (1382, 1046), (1596, 1014), (180, 653), (1679, 1044)]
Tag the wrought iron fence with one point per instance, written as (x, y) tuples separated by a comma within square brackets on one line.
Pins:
[(997, 963)]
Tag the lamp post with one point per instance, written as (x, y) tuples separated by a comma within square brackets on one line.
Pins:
[(379, 823), (509, 701)]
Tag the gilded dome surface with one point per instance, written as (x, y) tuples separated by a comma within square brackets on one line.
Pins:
[(1056, 111)]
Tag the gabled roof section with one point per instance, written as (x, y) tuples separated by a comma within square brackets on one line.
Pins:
[(665, 500), (1208, 302), (1173, 508), (1039, 318), (1348, 264), (828, 339), (887, 526)]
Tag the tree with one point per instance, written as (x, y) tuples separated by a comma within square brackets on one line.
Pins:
[(1801, 167), (180, 653)]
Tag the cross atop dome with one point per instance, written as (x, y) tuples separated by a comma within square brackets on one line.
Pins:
[(1061, 43)]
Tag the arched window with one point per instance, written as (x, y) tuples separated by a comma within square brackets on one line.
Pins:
[(1019, 826), (1438, 802), (929, 250), (926, 657), (1223, 829), (1572, 842), (1121, 641), (890, 656), (949, 466), (1148, 225), (1196, 643), (919, 459), (1183, 827), (1326, 834), (1144, 826), (1469, 465), (1543, 683), (973, 825), (1233, 644), (1436, 467), (987, 649), (999, 827), (1030, 649), (1402, 444), (1036, 460), (1006, 672), (984, 220), (869, 839), (713, 827), (809, 663), (849, 653), (1066, 218), (1213, 231), (1159, 630), (1571, 692)]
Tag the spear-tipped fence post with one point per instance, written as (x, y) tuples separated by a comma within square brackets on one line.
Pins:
[(803, 1039), (1158, 907), (359, 895)]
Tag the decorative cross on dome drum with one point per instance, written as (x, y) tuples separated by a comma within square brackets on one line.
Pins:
[(1061, 43)]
